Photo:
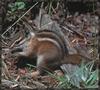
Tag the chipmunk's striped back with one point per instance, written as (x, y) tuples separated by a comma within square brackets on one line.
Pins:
[(47, 46), (56, 36)]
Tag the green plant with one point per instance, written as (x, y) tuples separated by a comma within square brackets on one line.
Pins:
[(77, 77), (81, 77), (16, 9), (50, 6), (16, 6)]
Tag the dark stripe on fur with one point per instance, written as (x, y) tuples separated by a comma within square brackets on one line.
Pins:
[(56, 36)]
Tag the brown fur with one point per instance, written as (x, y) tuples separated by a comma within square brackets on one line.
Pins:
[(56, 36), (49, 55), (50, 52)]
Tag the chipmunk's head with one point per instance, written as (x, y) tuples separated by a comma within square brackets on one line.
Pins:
[(26, 46)]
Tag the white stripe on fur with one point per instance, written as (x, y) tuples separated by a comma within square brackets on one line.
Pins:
[(40, 59), (50, 40)]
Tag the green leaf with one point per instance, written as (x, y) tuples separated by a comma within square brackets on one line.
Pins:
[(89, 65), (93, 78), (30, 65), (75, 81), (20, 5), (92, 86), (12, 7)]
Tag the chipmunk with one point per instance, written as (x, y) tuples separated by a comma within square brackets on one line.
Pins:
[(48, 48)]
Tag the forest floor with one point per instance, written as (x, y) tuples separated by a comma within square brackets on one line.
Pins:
[(80, 29)]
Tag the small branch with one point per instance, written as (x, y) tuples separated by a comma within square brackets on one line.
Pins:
[(40, 16), (19, 39), (19, 19), (5, 70), (4, 42)]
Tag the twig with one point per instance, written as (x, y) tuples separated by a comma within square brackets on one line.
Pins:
[(50, 7), (18, 77), (7, 82), (5, 69), (39, 85), (4, 42), (40, 15), (16, 42), (57, 6), (12, 85), (19, 19), (54, 10), (67, 29)]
